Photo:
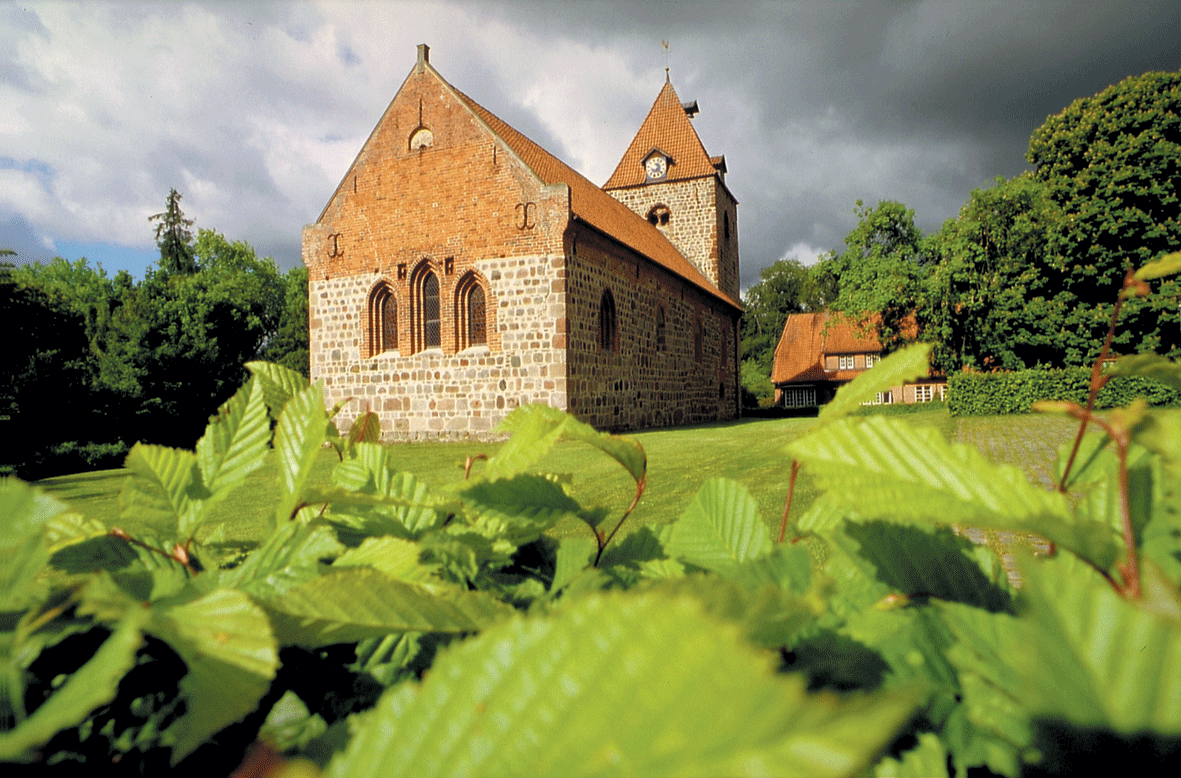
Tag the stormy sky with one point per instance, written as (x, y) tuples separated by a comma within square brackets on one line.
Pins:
[(254, 111)]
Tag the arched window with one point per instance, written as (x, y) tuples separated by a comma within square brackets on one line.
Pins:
[(430, 311), (382, 332), (471, 313), (660, 336), (608, 326), (659, 215)]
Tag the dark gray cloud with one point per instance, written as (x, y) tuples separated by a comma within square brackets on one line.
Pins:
[(254, 110)]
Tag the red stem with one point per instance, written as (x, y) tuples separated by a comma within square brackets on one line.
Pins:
[(791, 490)]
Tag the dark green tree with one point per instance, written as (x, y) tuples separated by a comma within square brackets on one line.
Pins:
[(881, 274), (289, 345), (991, 301), (1112, 162), (174, 238)]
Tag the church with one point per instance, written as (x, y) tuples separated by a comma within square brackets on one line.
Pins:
[(459, 270)]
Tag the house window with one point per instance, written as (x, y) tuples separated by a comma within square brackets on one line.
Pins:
[(660, 336), (870, 360), (799, 398), (845, 362), (883, 398), (659, 215), (608, 326), (383, 320), (471, 313), (923, 394)]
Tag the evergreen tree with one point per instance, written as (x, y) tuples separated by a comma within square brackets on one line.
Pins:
[(174, 238)]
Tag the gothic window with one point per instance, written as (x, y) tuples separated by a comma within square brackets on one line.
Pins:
[(659, 215), (608, 325), (726, 225), (471, 313), (430, 311), (660, 336), (383, 320)]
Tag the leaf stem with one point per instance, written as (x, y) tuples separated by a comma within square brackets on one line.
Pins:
[(791, 490), (604, 542)]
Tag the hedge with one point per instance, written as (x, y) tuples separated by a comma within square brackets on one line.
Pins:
[(989, 394)]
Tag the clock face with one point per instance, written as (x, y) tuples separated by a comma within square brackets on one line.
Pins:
[(656, 166)]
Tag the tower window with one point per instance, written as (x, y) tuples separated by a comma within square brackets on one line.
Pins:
[(659, 215)]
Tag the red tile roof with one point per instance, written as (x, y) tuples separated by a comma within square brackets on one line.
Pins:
[(590, 204), (669, 129), (808, 337)]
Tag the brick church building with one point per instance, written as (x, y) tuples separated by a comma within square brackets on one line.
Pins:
[(460, 270)]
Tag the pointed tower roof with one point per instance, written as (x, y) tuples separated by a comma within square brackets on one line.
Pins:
[(668, 130)]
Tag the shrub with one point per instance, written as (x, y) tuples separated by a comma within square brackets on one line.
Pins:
[(990, 394)]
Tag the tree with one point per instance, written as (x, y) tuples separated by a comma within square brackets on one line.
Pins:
[(990, 300), (881, 273), (174, 238), (1112, 162), (289, 346)]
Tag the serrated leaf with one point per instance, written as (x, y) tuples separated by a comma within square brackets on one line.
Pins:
[(535, 428), (395, 557), (164, 490), (930, 562), (348, 604), (557, 697), (298, 438), (288, 557), (1094, 658), (885, 468), (627, 452), (574, 555), (720, 529), (1158, 368), (279, 384), (520, 508), (382, 500), (900, 367), (93, 684), (227, 644), (366, 428), (1167, 265), (25, 512), (235, 442), (926, 760)]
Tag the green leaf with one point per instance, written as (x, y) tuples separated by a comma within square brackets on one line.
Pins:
[(520, 508), (885, 468), (623, 450), (559, 697), (348, 604), (165, 489), (574, 556), (1165, 266), (1151, 366), (923, 561), (366, 428), (25, 512), (95, 683), (227, 643), (396, 558), (235, 442), (1094, 658), (279, 384), (288, 557), (720, 529), (903, 365), (381, 499), (926, 760), (535, 428), (298, 438)]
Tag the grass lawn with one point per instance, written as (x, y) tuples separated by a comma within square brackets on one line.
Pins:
[(679, 462)]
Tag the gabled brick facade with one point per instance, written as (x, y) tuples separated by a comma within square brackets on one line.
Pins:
[(459, 270)]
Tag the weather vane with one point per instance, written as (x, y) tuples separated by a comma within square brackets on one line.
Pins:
[(665, 45)]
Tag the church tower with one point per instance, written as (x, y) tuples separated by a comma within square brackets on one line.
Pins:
[(667, 177)]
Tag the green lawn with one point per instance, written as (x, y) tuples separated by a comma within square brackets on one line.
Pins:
[(679, 462)]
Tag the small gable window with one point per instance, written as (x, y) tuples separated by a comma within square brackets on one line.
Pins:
[(608, 326), (659, 215), (422, 138)]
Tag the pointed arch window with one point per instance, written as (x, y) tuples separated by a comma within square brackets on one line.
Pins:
[(471, 312), (698, 339), (608, 324), (430, 311), (661, 347), (382, 332)]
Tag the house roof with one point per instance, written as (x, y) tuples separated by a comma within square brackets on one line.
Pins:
[(808, 337), (668, 129), (592, 205)]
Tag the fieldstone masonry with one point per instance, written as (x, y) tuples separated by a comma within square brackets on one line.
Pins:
[(459, 271)]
